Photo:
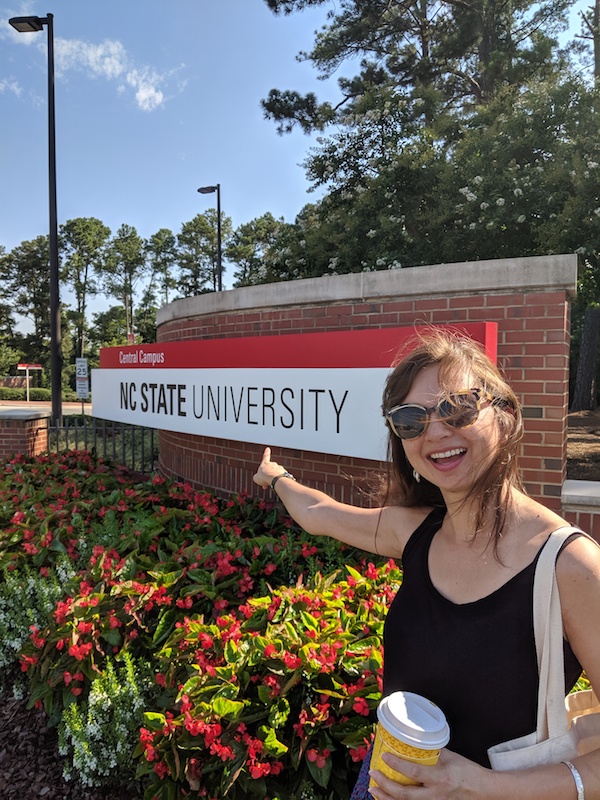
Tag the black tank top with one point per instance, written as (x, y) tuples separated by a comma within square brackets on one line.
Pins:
[(476, 661)]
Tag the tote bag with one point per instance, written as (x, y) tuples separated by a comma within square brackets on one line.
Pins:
[(566, 727)]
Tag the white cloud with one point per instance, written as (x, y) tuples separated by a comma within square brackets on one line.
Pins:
[(110, 60), (106, 60), (9, 86), (148, 96)]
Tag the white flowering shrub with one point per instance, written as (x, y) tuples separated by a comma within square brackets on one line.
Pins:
[(98, 736), (26, 600)]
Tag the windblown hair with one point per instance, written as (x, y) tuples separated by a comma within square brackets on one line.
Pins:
[(456, 354)]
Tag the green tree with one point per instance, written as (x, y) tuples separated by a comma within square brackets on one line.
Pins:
[(9, 358), (125, 266), (145, 317), (161, 249), (26, 278), (83, 244), (437, 53), (109, 328), (251, 247), (197, 252)]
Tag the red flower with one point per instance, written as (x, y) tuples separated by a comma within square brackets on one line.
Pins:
[(85, 627), (80, 651), (291, 661), (318, 757), (162, 768), (28, 661), (361, 706)]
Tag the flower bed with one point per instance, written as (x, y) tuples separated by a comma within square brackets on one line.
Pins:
[(204, 648)]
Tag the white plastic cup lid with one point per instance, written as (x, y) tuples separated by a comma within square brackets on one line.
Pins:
[(414, 720)]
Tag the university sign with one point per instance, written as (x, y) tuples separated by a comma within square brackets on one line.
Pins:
[(319, 392)]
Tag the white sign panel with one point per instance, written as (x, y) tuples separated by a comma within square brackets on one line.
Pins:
[(332, 411)]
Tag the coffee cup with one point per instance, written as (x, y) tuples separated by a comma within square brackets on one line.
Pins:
[(411, 727)]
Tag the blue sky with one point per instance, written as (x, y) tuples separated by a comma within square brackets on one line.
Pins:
[(153, 100)]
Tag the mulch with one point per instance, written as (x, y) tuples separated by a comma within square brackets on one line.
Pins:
[(30, 764)]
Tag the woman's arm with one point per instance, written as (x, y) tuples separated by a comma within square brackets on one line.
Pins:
[(384, 531)]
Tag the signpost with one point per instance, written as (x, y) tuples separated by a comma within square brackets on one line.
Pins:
[(82, 380), (27, 367)]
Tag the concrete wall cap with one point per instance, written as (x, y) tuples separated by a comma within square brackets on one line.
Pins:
[(23, 414), (527, 274), (581, 493)]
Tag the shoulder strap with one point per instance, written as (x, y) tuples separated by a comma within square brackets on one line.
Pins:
[(548, 630)]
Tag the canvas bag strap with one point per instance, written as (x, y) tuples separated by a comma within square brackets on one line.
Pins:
[(548, 631)]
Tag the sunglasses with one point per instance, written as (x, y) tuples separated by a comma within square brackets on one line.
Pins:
[(458, 410)]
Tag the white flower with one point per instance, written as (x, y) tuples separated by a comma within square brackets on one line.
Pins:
[(483, 206), (521, 219), (500, 201), (472, 226), (468, 193), (477, 179), (592, 164), (371, 233), (517, 192)]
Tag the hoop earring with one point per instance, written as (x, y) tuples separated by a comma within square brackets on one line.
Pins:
[(416, 476)]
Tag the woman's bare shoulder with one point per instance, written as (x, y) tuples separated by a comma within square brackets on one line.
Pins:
[(396, 526)]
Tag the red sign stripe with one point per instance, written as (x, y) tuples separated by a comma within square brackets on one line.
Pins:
[(332, 350)]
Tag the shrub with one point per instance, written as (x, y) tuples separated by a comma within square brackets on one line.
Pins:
[(212, 642)]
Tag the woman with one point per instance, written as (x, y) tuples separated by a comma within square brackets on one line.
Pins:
[(460, 629)]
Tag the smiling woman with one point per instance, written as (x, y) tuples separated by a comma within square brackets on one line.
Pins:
[(454, 511)]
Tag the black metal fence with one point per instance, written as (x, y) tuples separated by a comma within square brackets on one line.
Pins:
[(131, 446)]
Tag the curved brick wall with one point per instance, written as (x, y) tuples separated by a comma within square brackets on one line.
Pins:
[(529, 298)]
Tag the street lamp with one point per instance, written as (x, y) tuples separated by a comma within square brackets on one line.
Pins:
[(210, 190), (32, 25)]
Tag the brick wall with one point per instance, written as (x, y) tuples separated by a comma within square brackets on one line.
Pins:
[(23, 431), (528, 298)]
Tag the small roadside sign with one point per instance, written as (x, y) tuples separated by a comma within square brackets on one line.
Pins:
[(82, 381), (27, 367)]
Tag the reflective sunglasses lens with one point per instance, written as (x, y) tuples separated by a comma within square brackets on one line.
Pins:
[(459, 410), (409, 422)]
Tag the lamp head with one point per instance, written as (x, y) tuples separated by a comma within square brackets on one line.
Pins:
[(207, 189), (27, 24)]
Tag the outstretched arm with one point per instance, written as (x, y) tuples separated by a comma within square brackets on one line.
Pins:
[(383, 531)]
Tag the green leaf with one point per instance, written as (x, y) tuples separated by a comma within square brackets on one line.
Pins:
[(320, 774), (229, 709), (272, 744), (153, 720), (165, 626)]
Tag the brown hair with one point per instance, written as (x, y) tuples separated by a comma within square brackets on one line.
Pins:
[(455, 352)]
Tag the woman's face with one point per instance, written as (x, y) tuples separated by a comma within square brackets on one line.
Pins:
[(450, 458)]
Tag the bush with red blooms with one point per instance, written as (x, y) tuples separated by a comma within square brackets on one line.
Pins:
[(264, 644)]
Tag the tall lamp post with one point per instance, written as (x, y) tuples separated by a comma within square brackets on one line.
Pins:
[(33, 25), (210, 190)]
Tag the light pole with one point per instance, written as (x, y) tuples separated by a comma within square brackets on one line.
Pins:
[(210, 190), (32, 25)]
